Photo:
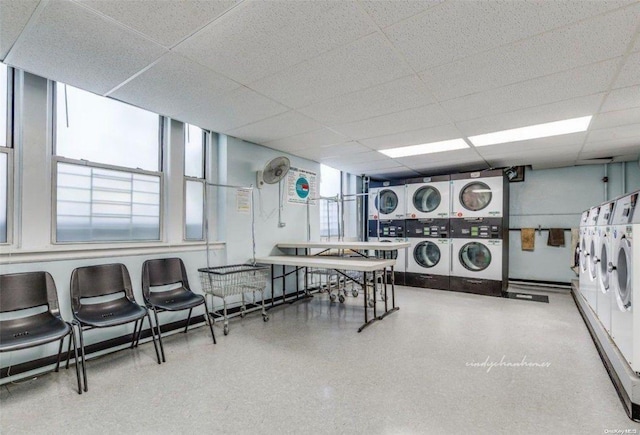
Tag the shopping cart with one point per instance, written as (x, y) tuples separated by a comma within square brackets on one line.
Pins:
[(232, 280)]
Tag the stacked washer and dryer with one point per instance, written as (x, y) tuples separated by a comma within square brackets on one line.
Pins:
[(479, 228), (427, 224)]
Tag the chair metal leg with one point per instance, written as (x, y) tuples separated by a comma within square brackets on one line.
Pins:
[(188, 320), (75, 351), (84, 364), (139, 334), (134, 335), (59, 353), (153, 336), (69, 352), (209, 321)]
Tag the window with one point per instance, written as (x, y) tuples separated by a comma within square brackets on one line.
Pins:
[(329, 210), (194, 183), (5, 153), (107, 169)]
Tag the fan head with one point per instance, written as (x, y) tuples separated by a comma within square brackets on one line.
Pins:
[(276, 169)]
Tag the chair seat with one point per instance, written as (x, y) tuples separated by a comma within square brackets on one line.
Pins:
[(31, 331), (175, 300), (111, 313)]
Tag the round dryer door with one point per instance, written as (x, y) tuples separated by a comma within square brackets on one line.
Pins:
[(604, 274), (593, 264), (475, 256), (583, 254), (475, 196), (388, 201), (623, 272), (426, 199), (427, 254)]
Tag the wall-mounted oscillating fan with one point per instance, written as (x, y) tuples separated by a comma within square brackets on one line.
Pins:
[(274, 171)]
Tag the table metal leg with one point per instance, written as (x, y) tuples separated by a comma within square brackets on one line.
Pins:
[(393, 297), (273, 286), (367, 321)]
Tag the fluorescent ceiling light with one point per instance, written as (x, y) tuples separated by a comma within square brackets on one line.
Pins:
[(548, 129), (426, 148)]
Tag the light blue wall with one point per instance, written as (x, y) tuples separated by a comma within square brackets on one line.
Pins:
[(555, 198)]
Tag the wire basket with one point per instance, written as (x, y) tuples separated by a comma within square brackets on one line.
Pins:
[(234, 279)]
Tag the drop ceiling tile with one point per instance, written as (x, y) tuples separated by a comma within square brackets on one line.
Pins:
[(364, 63), (623, 98), (258, 39), (390, 174), (615, 133), (620, 147), (334, 153), (449, 167), (468, 155), (575, 83), (167, 22), (567, 109), (560, 162), (312, 139), (458, 29), (407, 120), (615, 119), (583, 43), (396, 95), (234, 109), (388, 12), (14, 15), (415, 137), (367, 167), (549, 146), (630, 72), (174, 85), (71, 44), (280, 126), (368, 156)]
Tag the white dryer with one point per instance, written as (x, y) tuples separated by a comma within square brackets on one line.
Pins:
[(428, 197), (625, 279), (601, 257), (429, 256), (479, 194), (387, 200), (583, 252), (590, 290)]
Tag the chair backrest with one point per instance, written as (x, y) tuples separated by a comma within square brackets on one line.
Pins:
[(100, 280), (20, 291), (163, 271)]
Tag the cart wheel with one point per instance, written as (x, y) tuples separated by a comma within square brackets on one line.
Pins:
[(226, 329), (243, 312), (354, 293), (341, 299), (265, 318), (332, 297)]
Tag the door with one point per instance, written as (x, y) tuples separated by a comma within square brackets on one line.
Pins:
[(475, 196), (427, 254), (624, 272), (388, 201), (426, 199), (603, 272), (475, 256)]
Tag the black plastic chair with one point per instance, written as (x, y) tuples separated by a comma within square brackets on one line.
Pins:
[(167, 272), (19, 291), (103, 280)]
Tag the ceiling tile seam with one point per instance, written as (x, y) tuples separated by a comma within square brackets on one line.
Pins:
[(616, 74), (137, 74), (201, 28), (555, 29), (275, 116), (27, 27), (112, 20), (415, 73), (429, 9)]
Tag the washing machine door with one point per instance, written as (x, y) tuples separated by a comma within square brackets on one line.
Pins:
[(388, 201), (584, 254), (427, 254), (602, 270), (475, 196), (624, 269), (593, 264), (426, 199), (475, 256)]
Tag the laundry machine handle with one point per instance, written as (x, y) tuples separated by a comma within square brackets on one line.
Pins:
[(611, 267)]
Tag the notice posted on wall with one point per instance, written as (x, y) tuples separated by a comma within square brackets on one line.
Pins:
[(301, 185), (243, 201)]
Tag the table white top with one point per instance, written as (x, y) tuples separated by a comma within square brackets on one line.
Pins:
[(382, 246), (328, 262)]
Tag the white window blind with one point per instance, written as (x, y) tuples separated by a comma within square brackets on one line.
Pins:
[(329, 210)]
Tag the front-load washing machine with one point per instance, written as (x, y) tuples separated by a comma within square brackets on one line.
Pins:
[(590, 290), (429, 256), (479, 256), (387, 200), (391, 231), (479, 194), (601, 258), (428, 197), (625, 281), (583, 251)]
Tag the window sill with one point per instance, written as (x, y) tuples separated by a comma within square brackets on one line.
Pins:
[(10, 255)]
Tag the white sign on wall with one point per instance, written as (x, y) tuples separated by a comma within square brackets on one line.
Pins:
[(243, 201), (301, 185)]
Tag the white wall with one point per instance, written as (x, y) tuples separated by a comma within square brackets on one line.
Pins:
[(555, 198)]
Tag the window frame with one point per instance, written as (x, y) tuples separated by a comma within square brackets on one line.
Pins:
[(205, 147), (9, 150), (55, 159)]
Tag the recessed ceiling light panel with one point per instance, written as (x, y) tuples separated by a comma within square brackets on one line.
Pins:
[(426, 148)]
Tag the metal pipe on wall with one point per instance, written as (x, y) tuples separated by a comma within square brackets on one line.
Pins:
[(624, 177), (605, 180)]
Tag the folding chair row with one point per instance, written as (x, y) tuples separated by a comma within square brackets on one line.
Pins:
[(35, 289)]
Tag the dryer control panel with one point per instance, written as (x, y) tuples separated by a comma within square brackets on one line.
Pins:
[(391, 228), (428, 228), (481, 228)]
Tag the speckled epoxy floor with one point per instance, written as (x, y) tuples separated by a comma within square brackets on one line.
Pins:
[(309, 371)]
